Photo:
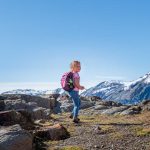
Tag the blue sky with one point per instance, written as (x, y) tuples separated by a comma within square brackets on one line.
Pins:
[(39, 39)]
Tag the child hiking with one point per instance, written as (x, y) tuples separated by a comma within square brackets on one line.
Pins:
[(71, 83)]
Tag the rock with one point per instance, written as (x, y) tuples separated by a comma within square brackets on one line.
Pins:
[(31, 105), (2, 105), (145, 105), (41, 101), (86, 104), (97, 129), (40, 113), (129, 112), (135, 108), (90, 98), (100, 107), (63, 97), (9, 117), (110, 103), (12, 96), (2, 97), (66, 107), (114, 110), (55, 132), (57, 108), (12, 117), (96, 146), (55, 96), (15, 104), (15, 138)]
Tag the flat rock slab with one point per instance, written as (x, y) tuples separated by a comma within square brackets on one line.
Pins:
[(55, 132), (9, 117), (15, 138), (114, 110)]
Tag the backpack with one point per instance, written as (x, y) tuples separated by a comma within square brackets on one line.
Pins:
[(67, 81)]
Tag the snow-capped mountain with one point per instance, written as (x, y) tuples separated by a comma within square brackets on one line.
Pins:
[(125, 92), (34, 92)]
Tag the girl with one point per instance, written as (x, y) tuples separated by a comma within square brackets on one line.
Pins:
[(75, 67)]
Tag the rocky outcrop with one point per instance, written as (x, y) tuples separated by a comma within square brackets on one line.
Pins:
[(11, 117), (38, 107), (41, 101), (115, 110), (2, 105), (145, 105), (55, 132), (15, 138)]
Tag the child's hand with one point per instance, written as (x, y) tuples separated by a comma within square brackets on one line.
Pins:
[(82, 87)]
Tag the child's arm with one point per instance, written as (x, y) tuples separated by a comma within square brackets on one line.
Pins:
[(77, 84)]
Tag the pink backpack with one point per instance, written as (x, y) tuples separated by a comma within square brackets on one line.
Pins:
[(67, 81)]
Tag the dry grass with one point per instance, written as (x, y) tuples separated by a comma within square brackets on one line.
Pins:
[(136, 125), (67, 148)]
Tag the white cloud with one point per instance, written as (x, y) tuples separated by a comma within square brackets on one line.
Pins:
[(28, 85)]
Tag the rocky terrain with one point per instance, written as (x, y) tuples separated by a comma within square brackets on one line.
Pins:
[(42, 122)]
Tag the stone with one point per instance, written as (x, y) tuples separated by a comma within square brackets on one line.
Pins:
[(55, 132), (15, 138), (15, 104), (40, 113), (9, 117), (145, 105), (2, 105), (100, 107), (114, 110), (55, 96), (129, 112), (2, 97), (86, 104), (66, 107)]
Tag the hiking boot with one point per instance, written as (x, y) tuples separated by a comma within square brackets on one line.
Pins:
[(71, 116), (76, 120)]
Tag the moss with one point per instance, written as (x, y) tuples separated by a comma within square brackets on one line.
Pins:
[(140, 131), (107, 129), (143, 132), (116, 135), (72, 148)]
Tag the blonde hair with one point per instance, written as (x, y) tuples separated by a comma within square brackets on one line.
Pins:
[(74, 64)]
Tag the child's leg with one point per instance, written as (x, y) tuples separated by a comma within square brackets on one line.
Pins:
[(76, 102)]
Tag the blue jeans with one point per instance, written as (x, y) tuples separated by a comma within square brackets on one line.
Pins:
[(76, 101)]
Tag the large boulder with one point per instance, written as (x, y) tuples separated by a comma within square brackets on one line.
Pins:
[(14, 104), (129, 112), (10, 117), (40, 113), (55, 96), (15, 138), (2, 105), (132, 110), (145, 105), (41, 101), (90, 98), (2, 97), (115, 110), (86, 104), (100, 107), (109, 103), (55, 132), (66, 107)]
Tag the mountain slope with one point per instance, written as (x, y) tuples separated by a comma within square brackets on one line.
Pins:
[(125, 92), (34, 92)]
